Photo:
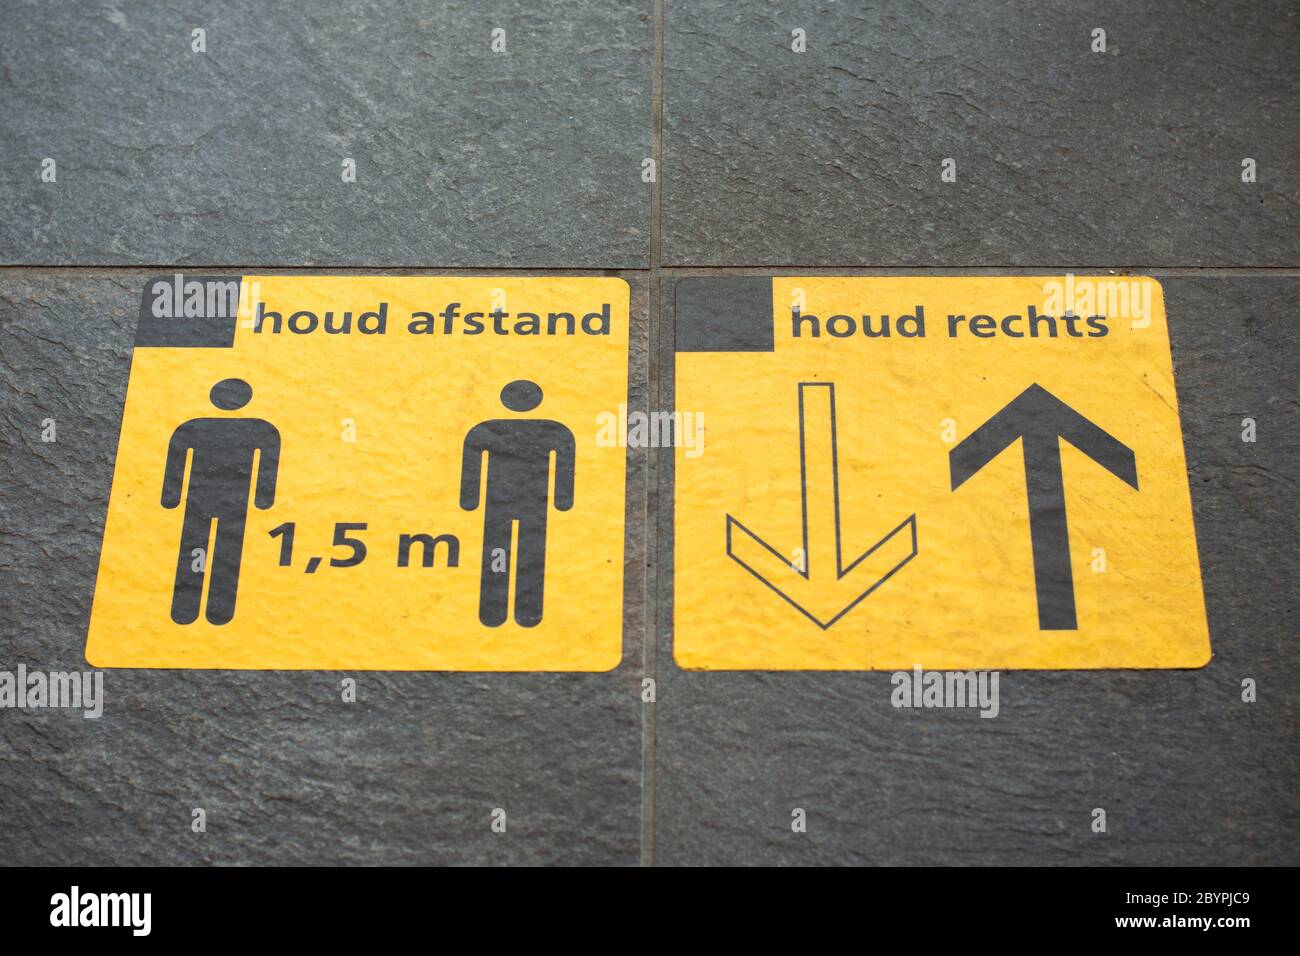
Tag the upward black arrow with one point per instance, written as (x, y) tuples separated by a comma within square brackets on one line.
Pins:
[(1041, 420)]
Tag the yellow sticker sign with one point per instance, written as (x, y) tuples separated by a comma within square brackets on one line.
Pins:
[(955, 473), (369, 473)]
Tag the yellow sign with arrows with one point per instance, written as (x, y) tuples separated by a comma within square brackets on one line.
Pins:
[(952, 473)]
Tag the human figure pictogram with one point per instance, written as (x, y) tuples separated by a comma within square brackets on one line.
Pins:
[(518, 453), (220, 474)]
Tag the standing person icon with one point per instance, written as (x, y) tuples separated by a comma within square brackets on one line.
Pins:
[(221, 471), (518, 492)]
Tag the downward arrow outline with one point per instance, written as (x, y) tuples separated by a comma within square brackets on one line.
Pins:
[(872, 568)]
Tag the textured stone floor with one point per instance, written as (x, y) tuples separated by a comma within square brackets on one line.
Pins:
[(765, 160)]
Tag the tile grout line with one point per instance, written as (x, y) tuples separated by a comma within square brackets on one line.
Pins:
[(650, 636)]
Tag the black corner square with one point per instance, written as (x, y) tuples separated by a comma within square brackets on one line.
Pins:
[(724, 314), (181, 311)]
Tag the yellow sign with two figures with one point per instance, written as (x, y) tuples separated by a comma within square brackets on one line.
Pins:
[(953, 473), (369, 473)]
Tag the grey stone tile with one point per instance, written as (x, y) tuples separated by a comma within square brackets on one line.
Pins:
[(1065, 157), (464, 157), (1188, 773), (286, 772)]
